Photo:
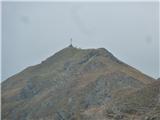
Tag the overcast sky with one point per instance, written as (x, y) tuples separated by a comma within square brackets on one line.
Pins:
[(33, 31)]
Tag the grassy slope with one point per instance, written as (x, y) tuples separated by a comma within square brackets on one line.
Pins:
[(57, 81)]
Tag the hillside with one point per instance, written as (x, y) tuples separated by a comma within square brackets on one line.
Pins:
[(70, 85), (140, 104)]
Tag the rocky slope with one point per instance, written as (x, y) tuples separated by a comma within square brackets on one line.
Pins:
[(73, 84), (140, 104)]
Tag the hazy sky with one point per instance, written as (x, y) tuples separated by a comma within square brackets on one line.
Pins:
[(33, 31)]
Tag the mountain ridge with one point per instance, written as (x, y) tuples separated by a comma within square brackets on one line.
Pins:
[(102, 50), (69, 82)]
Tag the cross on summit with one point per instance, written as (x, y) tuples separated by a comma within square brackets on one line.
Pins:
[(71, 43)]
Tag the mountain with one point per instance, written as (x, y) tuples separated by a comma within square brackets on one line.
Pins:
[(73, 84), (140, 104)]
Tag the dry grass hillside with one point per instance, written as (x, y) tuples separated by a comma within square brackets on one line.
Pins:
[(77, 84)]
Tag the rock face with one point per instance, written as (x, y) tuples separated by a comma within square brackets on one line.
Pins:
[(75, 84)]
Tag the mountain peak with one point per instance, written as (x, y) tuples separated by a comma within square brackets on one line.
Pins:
[(78, 54), (68, 84)]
